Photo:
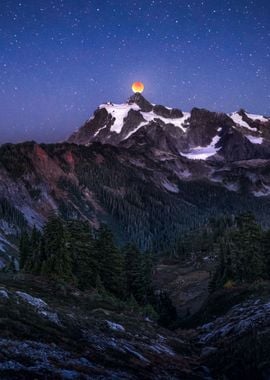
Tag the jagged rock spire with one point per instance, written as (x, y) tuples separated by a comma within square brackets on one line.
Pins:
[(138, 99)]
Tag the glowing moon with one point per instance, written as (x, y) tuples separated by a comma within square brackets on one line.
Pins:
[(138, 87)]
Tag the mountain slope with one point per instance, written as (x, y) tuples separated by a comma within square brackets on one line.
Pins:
[(150, 172), (145, 195)]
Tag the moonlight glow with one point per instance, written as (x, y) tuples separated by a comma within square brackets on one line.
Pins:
[(57, 62), (138, 87)]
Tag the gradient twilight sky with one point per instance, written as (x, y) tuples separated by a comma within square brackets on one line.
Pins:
[(59, 59)]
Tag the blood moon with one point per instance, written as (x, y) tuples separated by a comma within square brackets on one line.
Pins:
[(138, 87)]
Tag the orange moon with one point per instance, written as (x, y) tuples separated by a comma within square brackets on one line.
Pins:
[(138, 87)]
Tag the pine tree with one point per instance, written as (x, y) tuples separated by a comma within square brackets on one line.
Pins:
[(58, 261), (241, 256), (24, 249), (81, 247), (147, 273), (248, 241), (33, 262), (266, 253), (110, 262), (135, 279)]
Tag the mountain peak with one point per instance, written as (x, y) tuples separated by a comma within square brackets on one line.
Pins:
[(138, 99), (196, 135)]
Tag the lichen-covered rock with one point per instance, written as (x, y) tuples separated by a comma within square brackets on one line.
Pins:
[(88, 343)]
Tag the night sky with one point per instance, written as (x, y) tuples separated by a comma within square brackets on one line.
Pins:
[(59, 59)]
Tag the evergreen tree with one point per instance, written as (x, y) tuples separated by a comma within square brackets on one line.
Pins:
[(24, 249), (266, 253), (135, 279), (58, 261), (248, 243), (33, 262), (147, 273), (110, 262), (241, 256), (81, 247)]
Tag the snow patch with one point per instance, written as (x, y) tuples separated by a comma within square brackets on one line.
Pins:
[(257, 117), (239, 120), (97, 132), (119, 112), (152, 117), (179, 122), (202, 153), (135, 129), (254, 140)]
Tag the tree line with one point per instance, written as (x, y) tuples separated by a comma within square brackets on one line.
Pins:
[(69, 251), (238, 247), (243, 253)]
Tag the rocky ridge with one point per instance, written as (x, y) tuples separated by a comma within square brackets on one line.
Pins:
[(226, 148), (197, 135)]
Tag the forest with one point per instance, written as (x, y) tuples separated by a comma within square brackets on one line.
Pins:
[(71, 252)]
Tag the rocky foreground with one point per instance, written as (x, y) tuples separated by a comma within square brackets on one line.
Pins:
[(48, 331)]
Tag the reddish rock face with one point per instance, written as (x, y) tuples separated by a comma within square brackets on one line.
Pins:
[(41, 154), (70, 159)]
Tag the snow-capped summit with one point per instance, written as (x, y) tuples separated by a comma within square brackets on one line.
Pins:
[(113, 123), (196, 135)]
